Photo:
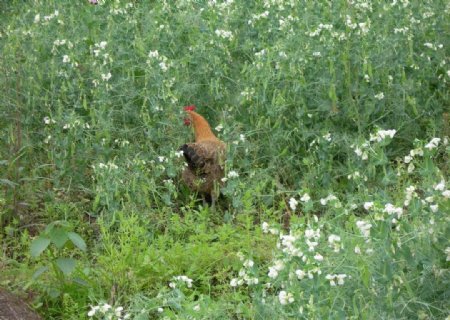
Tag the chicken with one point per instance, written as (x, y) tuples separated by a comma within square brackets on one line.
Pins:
[(205, 158)]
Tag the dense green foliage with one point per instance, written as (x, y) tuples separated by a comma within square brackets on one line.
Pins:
[(336, 118)]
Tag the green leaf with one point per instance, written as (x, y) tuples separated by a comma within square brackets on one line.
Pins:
[(38, 245), (38, 272), (8, 182), (58, 237), (66, 265), (77, 240)]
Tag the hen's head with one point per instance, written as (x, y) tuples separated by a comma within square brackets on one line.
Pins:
[(188, 120)]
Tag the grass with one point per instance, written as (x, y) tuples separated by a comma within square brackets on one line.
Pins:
[(332, 215)]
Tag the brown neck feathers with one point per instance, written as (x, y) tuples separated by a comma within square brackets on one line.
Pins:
[(201, 127)]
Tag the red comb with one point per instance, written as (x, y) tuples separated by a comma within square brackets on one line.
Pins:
[(189, 108)]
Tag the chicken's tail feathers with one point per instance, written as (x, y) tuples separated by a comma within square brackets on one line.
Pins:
[(193, 160)]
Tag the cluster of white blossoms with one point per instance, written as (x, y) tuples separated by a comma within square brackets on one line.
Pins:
[(297, 258), (109, 166), (381, 135), (409, 158), (433, 143), (232, 174), (117, 10), (224, 34), (181, 279), (356, 176), (329, 198), (305, 198), (274, 270), (99, 47), (410, 192), (368, 205), (361, 150), (334, 241), (46, 19), (59, 43), (293, 204), (106, 311), (76, 123), (336, 279), (288, 246), (245, 276), (161, 59), (319, 29), (256, 17), (364, 227), (267, 229), (394, 211), (285, 297), (48, 120), (379, 96), (441, 187), (360, 28)]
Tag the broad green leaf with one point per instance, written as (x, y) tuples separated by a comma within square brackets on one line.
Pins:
[(66, 265), (54, 293), (58, 237), (80, 281), (77, 240), (38, 245), (38, 272)]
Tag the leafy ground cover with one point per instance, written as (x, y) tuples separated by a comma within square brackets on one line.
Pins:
[(336, 116)]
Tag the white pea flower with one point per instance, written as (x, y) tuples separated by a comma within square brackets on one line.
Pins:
[(106, 77), (293, 204), (93, 311), (248, 263), (153, 54), (105, 308), (368, 205), (305, 198), (331, 278), (318, 257), (379, 96), (179, 154), (408, 159), (300, 274), (364, 227), (118, 311), (340, 278), (433, 143), (273, 273), (232, 174), (265, 227), (224, 34), (163, 66), (285, 297), (440, 186)]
